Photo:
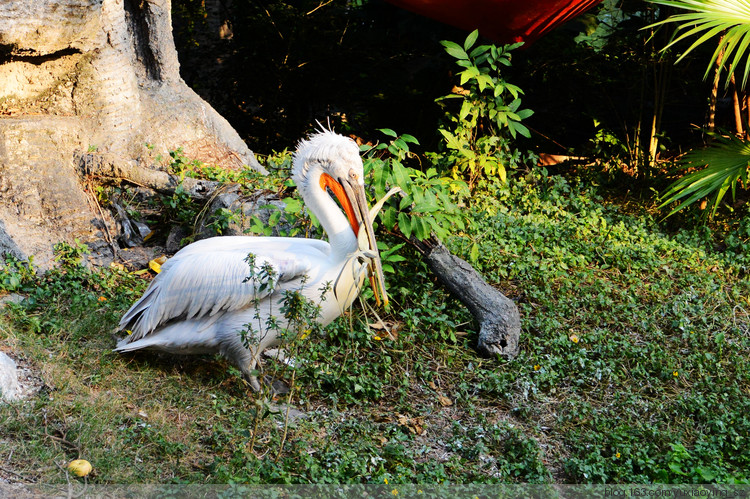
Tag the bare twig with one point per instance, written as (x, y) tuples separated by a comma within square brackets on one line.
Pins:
[(322, 4), (286, 418), (6, 470)]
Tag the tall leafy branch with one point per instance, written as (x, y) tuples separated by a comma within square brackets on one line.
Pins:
[(479, 135)]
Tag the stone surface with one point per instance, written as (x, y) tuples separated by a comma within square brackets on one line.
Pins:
[(9, 389), (11, 298)]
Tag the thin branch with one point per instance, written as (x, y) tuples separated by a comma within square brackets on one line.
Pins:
[(322, 4)]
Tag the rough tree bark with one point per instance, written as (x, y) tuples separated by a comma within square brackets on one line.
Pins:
[(89, 74)]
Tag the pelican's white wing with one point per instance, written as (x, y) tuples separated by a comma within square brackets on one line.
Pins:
[(212, 275)]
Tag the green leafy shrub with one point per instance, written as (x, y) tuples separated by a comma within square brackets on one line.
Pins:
[(427, 205), (479, 135)]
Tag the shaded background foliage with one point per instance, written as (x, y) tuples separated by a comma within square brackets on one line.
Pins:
[(280, 66), (274, 68)]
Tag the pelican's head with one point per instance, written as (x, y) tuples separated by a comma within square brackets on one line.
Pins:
[(330, 163)]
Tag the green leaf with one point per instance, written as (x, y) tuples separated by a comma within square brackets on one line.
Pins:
[(409, 138), (378, 177), (480, 51), (471, 39), (468, 74), (406, 202), (502, 174), (401, 144), (400, 175), (454, 50), (388, 216), (484, 81), (388, 131), (404, 224), (450, 140), (474, 253), (524, 113), (421, 231), (465, 109), (522, 130), (293, 205), (514, 90)]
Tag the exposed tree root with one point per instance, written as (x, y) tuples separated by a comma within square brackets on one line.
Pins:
[(113, 167)]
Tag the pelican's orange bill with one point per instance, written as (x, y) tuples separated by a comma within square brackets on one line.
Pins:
[(338, 191)]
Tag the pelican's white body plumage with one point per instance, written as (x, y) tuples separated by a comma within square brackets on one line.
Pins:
[(201, 300)]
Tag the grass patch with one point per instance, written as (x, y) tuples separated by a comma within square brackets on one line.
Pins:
[(633, 368)]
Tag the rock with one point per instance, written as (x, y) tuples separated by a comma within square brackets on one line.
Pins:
[(137, 258), (14, 298), (174, 239), (9, 389), (281, 410)]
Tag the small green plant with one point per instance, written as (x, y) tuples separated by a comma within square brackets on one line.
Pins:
[(427, 205), (70, 255), (15, 274), (478, 136), (222, 219)]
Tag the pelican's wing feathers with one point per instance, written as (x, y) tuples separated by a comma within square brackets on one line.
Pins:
[(213, 275)]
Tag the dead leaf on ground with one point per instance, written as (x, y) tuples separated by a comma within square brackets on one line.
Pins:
[(414, 425), (445, 401), (117, 266), (386, 330)]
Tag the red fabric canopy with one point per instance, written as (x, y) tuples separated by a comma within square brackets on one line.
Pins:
[(504, 21)]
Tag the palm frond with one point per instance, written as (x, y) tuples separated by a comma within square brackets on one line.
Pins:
[(728, 160), (708, 19)]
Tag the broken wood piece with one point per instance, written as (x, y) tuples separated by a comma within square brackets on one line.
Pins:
[(498, 317)]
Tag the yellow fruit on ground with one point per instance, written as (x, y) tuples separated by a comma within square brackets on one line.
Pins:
[(80, 467)]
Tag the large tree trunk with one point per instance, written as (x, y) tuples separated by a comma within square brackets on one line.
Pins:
[(77, 75)]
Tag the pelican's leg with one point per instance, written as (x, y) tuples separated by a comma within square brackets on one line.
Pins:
[(248, 358), (248, 373)]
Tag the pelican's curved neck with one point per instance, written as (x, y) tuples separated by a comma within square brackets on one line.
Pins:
[(340, 235)]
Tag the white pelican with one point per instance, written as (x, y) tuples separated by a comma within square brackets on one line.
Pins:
[(201, 300)]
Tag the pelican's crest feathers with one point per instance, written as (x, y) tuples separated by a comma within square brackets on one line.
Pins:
[(320, 149)]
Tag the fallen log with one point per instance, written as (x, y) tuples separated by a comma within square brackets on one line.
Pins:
[(498, 317)]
